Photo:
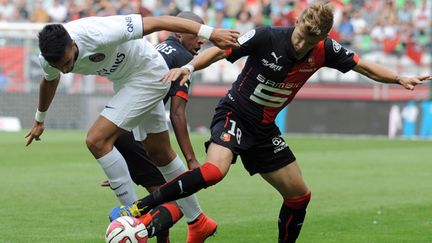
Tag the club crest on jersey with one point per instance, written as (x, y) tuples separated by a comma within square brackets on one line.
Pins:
[(245, 37), (226, 137), (336, 46), (97, 57), (311, 62)]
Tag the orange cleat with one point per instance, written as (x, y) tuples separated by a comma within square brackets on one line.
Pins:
[(201, 229), (146, 219)]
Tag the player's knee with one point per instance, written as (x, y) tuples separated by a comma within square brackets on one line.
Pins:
[(97, 146), (298, 202), (161, 155), (211, 173)]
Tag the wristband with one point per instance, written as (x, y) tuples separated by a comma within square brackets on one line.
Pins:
[(189, 67), (205, 31), (40, 116)]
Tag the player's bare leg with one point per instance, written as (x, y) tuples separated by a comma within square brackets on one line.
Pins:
[(100, 139), (296, 195)]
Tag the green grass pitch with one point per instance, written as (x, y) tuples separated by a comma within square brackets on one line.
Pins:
[(363, 190)]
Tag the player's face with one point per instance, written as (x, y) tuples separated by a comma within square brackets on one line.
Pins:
[(303, 42), (192, 43), (66, 63)]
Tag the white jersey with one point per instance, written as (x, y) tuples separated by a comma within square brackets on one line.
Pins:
[(113, 47)]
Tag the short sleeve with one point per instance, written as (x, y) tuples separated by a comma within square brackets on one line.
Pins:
[(249, 42), (110, 30), (50, 73), (338, 57)]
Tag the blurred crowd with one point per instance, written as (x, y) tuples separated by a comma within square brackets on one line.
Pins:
[(363, 24)]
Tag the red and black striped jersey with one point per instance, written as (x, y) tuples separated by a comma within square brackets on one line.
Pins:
[(272, 75)]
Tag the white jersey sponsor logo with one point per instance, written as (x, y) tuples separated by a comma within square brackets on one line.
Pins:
[(271, 65), (247, 36), (275, 56)]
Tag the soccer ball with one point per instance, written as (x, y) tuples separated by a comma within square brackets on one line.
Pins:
[(126, 230)]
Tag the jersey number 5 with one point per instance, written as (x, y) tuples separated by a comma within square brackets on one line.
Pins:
[(269, 99)]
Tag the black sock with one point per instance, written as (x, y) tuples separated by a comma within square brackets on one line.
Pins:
[(160, 222), (290, 223), (163, 237), (182, 186), (291, 217)]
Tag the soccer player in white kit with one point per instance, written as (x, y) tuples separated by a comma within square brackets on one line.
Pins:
[(114, 47)]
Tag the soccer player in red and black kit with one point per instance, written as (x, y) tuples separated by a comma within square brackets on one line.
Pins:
[(177, 50), (280, 61)]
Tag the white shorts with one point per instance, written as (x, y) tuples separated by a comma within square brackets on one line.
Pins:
[(138, 106)]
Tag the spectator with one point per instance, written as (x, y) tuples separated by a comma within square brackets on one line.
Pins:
[(405, 14), (57, 12), (159, 8), (74, 12), (125, 7), (244, 21), (22, 13), (422, 17), (3, 80), (39, 14), (388, 12), (359, 23), (234, 7), (370, 13), (289, 14), (221, 20), (346, 29), (7, 10)]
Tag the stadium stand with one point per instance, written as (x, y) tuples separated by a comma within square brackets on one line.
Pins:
[(396, 33)]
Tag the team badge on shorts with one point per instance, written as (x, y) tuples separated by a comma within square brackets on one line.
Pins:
[(226, 137), (97, 57), (279, 144)]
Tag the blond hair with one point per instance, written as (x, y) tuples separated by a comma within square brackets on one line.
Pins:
[(317, 18)]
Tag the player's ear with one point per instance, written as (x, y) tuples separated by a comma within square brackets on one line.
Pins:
[(178, 35)]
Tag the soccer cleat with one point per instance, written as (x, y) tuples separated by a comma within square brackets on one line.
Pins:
[(201, 229), (146, 219), (162, 236), (130, 210)]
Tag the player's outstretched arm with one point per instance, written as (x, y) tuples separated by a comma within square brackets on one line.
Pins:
[(179, 123), (385, 75), (47, 91), (223, 38), (201, 61)]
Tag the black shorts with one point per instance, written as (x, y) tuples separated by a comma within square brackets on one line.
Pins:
[(141, 168), (260, 146)]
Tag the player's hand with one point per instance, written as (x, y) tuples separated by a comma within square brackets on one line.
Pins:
[(410, 82), (104, 183), (193, 163), (175, 73), (225, 38), (35, 132)]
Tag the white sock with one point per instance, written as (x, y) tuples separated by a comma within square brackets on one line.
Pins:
[(188, 205), (115, 168)]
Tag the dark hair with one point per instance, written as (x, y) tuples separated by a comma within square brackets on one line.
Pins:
[(191, 16), (54, 40)]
